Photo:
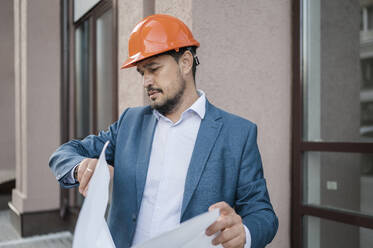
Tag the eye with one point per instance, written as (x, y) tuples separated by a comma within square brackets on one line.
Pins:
[(153, 69)]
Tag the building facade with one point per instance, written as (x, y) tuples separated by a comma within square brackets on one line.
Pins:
[(300, 69)]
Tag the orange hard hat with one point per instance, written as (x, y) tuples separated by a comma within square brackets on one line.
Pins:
[(157, 34)]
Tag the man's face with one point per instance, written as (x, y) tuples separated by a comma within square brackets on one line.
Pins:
[(163, 82)]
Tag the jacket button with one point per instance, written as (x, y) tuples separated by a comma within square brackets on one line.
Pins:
[(134, 217)]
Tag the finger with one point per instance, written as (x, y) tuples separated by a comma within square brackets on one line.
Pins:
[(84, 181), (81, 168), (92, 164), (90, 169), (85, 192), (237, 241), (224, 207), (217, 205), (87, 175), (226, 235), (219, 225)]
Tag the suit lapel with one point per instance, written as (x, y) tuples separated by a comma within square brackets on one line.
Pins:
[(147, 133), (208, 132)]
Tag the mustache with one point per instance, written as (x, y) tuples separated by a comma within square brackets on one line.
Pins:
[(148, 89)]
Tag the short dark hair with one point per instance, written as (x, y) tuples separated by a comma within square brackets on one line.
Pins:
[(177, 55)]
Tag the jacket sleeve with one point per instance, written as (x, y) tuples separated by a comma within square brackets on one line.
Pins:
[(252, 199), (68, 155)]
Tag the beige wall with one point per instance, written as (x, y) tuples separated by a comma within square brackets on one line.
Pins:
[(245, 57), (180, 9), (7, 151), (37, 103), (130, 89)]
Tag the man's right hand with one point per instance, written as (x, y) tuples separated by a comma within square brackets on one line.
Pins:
[(85, 172)]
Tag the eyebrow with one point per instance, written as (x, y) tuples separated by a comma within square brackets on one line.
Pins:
[(147, 66)]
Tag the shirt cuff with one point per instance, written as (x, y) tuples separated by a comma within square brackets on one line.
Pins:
[(248, 237)]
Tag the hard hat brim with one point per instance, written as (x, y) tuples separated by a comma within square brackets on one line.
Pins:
[(131, 61)]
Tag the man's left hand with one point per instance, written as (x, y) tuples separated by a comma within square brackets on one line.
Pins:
[(232, 232)]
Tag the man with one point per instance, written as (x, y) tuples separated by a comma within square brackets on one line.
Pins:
[(177, 158)]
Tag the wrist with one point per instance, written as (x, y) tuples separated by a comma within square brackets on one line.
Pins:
[(76, 172)]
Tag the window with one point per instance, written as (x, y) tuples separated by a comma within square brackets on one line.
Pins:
[(95, 73), (89, 73), (333, 124)]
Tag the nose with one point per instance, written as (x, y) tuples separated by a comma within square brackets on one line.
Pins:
[(147, 80)]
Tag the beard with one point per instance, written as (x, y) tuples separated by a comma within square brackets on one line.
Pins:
[(171, 103)]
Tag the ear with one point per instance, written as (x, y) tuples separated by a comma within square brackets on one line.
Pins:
[(186, 62)]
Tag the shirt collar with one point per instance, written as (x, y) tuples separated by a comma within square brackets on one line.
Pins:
[(199, 107)]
